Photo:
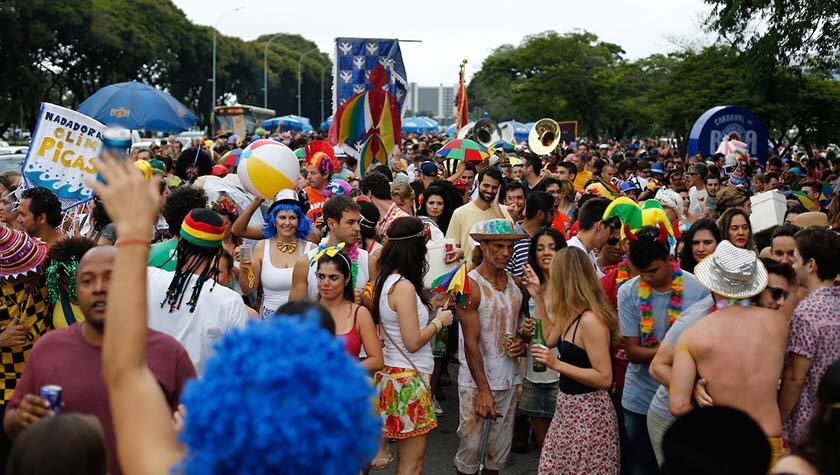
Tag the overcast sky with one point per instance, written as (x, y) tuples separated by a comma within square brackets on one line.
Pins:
[(455, 29)]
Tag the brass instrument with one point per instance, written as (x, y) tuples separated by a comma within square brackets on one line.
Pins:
[(544, 136)]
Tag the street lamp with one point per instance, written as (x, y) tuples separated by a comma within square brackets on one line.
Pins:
[(323, 68), (300, 61), (265, 70), (214, 51)]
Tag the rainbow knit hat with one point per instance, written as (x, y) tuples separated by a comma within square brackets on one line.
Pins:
[(19, 253), (203, 227)]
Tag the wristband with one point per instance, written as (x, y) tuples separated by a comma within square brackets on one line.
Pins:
[(438, 325), (132, 242)]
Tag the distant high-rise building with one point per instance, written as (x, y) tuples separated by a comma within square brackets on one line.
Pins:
[(439, 101)]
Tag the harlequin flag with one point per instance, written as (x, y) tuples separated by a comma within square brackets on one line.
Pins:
[(355, 60), (462, 115), (373, 113)]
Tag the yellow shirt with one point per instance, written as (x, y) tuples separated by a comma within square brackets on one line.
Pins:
[(581, 178), (464, 218)]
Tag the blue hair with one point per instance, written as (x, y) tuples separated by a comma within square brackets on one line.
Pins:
[(304, 223), (280, 396)]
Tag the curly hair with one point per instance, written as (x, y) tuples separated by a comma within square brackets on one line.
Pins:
[(280, 394), (179, 204), (44, 201)]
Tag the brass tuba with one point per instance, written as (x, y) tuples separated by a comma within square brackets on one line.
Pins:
[(484, 131), (544, 136)]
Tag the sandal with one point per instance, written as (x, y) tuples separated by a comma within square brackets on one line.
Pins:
[(382, 463)]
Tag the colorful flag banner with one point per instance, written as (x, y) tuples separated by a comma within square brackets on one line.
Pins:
[(355, 59)]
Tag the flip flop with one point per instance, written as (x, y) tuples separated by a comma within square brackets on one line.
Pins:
[(382, 463)]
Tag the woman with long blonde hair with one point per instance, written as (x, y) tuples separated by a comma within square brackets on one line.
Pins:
[(583, 436)]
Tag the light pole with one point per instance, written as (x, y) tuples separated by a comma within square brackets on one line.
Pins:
[(214, 52), (265, 70), (323, 68), (300, 61)]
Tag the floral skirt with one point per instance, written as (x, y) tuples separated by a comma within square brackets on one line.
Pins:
[(405, 404), (583, 436)]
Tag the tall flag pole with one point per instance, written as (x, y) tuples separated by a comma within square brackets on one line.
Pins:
[(462, 115)]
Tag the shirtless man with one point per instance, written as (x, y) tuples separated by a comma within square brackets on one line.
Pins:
[(738, 349)]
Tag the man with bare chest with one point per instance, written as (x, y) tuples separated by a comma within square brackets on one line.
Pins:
[(739, 349)]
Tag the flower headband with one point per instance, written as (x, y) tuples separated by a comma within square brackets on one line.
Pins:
[(224, 204), (426, 233)]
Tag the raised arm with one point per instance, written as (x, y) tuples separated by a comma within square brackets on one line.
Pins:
[(240, 226), (142, 418)]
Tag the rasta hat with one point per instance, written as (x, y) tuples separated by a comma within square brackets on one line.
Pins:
[(203, 228), (732, 272), (19, 253)]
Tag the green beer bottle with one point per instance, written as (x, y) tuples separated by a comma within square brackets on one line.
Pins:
[(442, 337), (538, 340)]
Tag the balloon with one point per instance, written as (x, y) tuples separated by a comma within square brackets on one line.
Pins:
[(267, 167)]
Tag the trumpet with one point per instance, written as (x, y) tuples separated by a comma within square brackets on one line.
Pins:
[(544, 136)]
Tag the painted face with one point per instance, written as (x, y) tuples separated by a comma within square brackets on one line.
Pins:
[(434, 206), (286, 223), (783, 249), (703, 244), (545, 251), (739, 231), (497, 252), (331, 281), (776, 293)]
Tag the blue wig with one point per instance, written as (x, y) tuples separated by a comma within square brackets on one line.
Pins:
[(304, 223), (280, 397)]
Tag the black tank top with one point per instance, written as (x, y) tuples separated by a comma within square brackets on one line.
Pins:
[(575, 356)]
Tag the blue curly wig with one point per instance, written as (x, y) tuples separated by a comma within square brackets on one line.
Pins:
[(280, 397), (304, 223)]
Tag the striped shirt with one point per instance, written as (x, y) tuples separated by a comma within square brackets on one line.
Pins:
[(520, 252)]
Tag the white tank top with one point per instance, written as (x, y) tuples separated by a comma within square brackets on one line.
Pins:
[(498, 313), (276, 281), (361, 279), (423, 359)]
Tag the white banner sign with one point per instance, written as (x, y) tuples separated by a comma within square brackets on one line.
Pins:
[(60, 155)]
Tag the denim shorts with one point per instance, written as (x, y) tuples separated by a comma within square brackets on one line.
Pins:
[(538, 399)]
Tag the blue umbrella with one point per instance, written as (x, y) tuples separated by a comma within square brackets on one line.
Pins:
[(325, 125), (520, 130), (138, 106), (289, 122), (419, 125)]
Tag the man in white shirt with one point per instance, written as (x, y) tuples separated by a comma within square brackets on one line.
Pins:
[(593, 232), (186, 304), (484, 207), (697, 193)]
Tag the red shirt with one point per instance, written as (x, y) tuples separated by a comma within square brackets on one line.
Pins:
[(65, 358)]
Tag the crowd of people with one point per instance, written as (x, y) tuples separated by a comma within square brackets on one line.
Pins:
[(623, 310)]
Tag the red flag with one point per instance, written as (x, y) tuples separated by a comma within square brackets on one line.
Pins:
[(462, 115)]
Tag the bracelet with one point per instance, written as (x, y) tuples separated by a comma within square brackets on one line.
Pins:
[(438, 325), (132, 242)]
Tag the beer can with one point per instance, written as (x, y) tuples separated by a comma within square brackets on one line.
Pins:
[(117, 140), (507, 342), (52, 394)]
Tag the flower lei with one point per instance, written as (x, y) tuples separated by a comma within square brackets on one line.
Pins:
[(646, 306), (353, 254), (623, 274)]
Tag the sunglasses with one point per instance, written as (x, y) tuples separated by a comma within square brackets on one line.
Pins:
[(778, 293), (613, 241)]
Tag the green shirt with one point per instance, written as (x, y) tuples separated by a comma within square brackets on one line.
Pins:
[(162, 255)]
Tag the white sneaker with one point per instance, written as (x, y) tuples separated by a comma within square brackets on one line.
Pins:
[(436, 405)]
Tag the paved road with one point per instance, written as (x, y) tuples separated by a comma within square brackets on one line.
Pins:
[(443, 442)]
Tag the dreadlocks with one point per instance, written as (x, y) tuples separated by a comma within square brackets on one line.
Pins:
[(198, 254)]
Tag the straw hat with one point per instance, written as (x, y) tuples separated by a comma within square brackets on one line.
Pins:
[(496, 230), (811, 219), (732, 272), (19, 253)]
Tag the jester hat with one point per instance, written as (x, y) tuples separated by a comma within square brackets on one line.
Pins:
[(636, 216)]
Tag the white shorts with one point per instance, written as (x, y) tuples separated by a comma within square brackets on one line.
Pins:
[(471, 430)]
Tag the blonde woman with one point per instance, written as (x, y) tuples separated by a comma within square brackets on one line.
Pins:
[(583, 436)]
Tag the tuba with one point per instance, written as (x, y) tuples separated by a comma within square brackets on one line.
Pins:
[(484, 131), (544, 136)]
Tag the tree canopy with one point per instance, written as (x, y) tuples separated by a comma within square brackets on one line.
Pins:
[(64, 51)]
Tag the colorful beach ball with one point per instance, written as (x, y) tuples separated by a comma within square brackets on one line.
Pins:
[(267, 167)]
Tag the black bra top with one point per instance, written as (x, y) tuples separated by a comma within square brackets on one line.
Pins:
[(575, 356)]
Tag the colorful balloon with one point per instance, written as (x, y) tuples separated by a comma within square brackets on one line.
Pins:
[(266, 167)]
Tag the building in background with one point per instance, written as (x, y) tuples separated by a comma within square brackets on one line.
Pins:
[(437, 102)]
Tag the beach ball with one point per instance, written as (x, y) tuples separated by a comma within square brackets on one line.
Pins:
[(267, 167)]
